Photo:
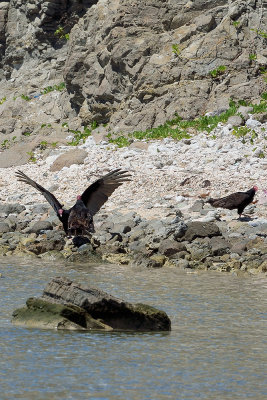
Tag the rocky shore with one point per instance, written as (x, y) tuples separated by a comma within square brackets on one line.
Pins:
[(159, 219)]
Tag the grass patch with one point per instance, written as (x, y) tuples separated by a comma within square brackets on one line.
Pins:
[(49, 89), (79, 135)]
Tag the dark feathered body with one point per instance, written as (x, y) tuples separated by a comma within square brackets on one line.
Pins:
[(238, 200), (78, 220)]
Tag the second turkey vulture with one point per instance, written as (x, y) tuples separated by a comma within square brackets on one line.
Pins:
[(237, 200), (78, 220)]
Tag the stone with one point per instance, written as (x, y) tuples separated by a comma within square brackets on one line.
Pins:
[(219, 246), (40, 226), (201, 229), (39, 313), (76, 156), (65, 303), (170, 247), (235, 120), (12, 208), (4, 227)]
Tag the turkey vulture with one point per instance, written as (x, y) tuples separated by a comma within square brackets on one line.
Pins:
[(78, 220), (238, 200)]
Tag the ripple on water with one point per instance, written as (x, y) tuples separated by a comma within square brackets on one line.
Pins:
[(216, 349)]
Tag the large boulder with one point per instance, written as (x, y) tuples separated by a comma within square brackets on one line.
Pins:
[(201, 229), (76, 156), (68, 305)]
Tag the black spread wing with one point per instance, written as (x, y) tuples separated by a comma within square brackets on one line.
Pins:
[(98, 193), (230, 202), (49, 196)]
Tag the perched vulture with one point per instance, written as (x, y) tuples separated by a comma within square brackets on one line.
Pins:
[(238, 200), (78, 220)]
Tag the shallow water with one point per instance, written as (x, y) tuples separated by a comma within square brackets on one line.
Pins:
[(217, 348)]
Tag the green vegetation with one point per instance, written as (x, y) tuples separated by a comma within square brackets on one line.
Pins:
[(2, 100), (176, 50), (7, 143), (60, 33), (253, 57), (24, 97), (177, 127), (43, 145), (243, 131), (260, 33), (49, 89), (80, 136), (218, 71), (236, 23), (26, 134), (32, 157), (46, 125)]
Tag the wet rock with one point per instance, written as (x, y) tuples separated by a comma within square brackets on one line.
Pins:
[(156, 261), (43, 314), (65, 303)]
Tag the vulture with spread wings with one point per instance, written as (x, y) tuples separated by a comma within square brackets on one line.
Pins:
[(78, 220), (238, 200)]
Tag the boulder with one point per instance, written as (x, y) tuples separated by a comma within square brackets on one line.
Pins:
[(12, 208), (4, 227), (40, 226), (76, 156), (201, 229), (68, 305)]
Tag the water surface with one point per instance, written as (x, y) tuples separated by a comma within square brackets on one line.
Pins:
[(217, 348)]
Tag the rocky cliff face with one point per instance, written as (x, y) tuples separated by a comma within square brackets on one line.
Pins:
[(132, 65)]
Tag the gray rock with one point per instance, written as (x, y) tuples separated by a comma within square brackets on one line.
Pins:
[(40, 226), (4, 227), (201, 229), (235, 120), (197, 206), (12, 208), (244, 110), (219, 246), (170, 247)]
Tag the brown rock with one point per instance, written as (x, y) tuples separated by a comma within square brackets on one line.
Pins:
[(76, 156)]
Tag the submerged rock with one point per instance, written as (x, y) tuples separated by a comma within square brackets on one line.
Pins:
[(68, 305)]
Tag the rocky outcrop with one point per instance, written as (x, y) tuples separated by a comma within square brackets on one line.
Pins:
[(149, 60), (68, 305)]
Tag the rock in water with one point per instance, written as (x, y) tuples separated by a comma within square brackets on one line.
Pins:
[(68, 305)]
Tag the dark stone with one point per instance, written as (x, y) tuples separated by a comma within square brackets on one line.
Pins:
[(111, 311), (219, 246), (170, 247), (201, 229), (78, 241), (45, 245)]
